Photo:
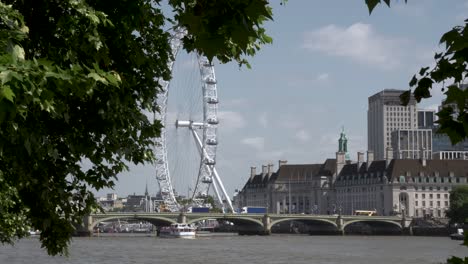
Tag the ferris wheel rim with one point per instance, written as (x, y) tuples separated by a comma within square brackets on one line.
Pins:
[(210, 121)]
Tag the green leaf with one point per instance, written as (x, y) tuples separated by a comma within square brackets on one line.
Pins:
[(97, 77), (371, 4), (7, 93), (422, 72), (413, 81), (405, 97)]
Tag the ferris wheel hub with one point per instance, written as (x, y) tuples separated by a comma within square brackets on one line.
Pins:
[(188, 123)]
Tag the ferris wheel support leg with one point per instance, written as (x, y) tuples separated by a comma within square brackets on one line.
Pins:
[(220, 199), (228, 200), (214, 172)]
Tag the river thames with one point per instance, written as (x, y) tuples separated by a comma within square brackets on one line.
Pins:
[(242, 249)]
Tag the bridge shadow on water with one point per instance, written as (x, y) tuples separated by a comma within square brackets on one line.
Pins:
[(372, 228), (314, 227)]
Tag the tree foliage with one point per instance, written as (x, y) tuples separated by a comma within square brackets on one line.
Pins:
[(458, 211), (76, 77)]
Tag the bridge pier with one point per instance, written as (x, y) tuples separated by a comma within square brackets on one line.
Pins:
[(266, 220), (182, 218), (340, 225), (86, 227)]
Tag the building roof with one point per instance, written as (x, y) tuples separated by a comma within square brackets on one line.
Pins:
[(298, 172), (328, 168), (401, 167), (458, 167)]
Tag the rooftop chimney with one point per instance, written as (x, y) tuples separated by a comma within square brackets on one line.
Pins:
[(270, 169), (264, 170), (253, 171), (360, 160), (388, 156), (370, 158), (281, 163), (340, 162)]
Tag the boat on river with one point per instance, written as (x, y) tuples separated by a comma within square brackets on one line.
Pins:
[(178, 231), (458, 235)]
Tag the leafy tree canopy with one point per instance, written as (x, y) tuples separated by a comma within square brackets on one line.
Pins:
[(458, 211), (451, 67), (76, 77)]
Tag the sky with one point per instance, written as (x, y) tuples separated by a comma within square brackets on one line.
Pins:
[(326, 59)]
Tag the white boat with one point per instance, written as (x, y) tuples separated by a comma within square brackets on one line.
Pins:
[(458, 235), (178, 230)]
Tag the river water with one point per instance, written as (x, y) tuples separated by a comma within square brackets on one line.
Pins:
[(242, 249)]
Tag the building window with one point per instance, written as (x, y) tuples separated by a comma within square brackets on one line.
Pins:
[(438, 196), (424, 196), (446, 195), (416, 203), (416, 196), (423, 203), (438, 203), (430, 203), (446, 203)]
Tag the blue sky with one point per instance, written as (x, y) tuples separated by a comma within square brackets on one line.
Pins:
[(326, 59)]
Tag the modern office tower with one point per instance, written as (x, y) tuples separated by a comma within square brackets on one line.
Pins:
[(385, 115), (412, 143), (426, 118)]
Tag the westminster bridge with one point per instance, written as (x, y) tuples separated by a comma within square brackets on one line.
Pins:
[(255, 223)]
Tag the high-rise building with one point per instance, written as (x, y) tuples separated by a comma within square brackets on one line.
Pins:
[(385, 115), (412, 143), (426, 119)]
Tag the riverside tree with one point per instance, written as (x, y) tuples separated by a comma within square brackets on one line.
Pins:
[(458, 213), (458, 210), (76, 78)]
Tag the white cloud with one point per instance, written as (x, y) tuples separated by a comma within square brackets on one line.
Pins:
[(230, 120), (359, 42), (257, 143), (302, 135), (263, 119), (323, 77)]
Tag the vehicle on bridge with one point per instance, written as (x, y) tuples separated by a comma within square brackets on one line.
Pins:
[(253, 210), (365, 212), (199, 210)]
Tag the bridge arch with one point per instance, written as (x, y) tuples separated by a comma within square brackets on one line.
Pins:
[(304, 220), (372, 220), (155, 220), (373, 227)]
